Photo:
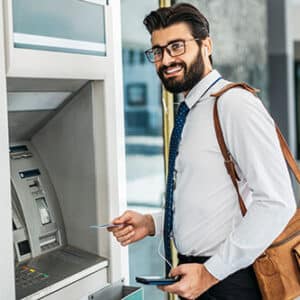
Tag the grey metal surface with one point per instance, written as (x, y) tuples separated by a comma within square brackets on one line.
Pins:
[(46, 270), (44, 85), (115, 292), (22, 125), (66, 146)]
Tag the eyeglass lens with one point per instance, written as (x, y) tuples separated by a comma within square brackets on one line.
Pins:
[(173, 49)]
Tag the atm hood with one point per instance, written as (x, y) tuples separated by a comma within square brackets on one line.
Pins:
[(32, 102)]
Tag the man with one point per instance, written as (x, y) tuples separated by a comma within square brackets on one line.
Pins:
[(216, 245)]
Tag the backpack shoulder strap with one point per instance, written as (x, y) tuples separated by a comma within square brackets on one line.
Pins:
[(229, 164)]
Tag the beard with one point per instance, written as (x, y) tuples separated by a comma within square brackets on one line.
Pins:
[(191, 76)]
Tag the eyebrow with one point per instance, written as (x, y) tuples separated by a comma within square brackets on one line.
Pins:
[(170, 42)]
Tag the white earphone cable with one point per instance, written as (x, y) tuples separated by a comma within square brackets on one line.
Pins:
[(161, 255)]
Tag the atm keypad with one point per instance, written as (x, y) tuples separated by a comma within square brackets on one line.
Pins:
[(26, 276)]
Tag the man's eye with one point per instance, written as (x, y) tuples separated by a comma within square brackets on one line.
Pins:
[(176, 46)]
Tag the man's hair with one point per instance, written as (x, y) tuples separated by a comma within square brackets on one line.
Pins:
[(182, 12)]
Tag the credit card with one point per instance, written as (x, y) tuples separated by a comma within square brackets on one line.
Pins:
[(102, 226)]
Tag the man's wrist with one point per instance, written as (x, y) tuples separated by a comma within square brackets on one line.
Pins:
[(150, 224), (211, 278)]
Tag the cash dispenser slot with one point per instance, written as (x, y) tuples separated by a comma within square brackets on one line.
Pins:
[(18, 152), (49, 241)]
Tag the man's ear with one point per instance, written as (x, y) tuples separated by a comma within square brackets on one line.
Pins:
[(207, 46)]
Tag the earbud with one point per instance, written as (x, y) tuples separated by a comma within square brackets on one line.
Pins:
[(205, 51)]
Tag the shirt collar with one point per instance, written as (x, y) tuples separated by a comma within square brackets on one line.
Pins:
[(195, 93)]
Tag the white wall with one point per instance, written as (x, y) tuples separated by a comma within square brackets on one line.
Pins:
[(6, 251)]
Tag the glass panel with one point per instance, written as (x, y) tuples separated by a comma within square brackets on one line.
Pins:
[(144, 141), (60, 25), (237, 52)]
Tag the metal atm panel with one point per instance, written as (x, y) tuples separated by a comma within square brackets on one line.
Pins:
[(35, 196), (44, 260)]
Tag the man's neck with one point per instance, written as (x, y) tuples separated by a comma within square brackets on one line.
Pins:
[(205, 73)]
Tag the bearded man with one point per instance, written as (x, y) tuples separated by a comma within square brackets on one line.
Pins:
[(216, 244)]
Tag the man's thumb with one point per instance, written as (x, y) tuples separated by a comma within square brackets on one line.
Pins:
[(175, 271), (125, 218)]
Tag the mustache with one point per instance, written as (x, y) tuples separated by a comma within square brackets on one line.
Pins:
[(163, 68)]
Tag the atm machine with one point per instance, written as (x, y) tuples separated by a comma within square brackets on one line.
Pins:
[(63, 166), (44, 261), (53, 189)]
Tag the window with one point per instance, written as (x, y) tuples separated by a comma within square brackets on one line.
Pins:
[(144, 137)]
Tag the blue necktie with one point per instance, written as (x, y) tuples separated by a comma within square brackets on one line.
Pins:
[(174, 144)]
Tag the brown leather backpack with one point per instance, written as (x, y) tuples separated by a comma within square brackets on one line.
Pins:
[(278, 268)]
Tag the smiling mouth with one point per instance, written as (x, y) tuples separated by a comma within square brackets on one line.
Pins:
[(173, 71)]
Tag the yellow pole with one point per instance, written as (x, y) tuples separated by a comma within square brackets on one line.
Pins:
[(164, 3), (168, 123)]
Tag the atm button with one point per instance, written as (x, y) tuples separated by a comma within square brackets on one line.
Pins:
[(44, 276)]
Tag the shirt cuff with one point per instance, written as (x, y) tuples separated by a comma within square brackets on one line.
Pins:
[(216, 267), (158, 223)]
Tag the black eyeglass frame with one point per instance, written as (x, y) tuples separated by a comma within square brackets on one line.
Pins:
[(149, 51)]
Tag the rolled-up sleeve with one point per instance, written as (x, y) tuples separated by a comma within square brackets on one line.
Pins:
[(158, 220)]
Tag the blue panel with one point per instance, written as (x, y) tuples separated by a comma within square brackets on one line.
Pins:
[(72, 20)]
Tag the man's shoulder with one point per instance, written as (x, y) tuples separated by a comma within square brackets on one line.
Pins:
[(237, 99), (236, 91)]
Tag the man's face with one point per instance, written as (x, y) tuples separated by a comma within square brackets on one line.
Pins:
[(181, 73)]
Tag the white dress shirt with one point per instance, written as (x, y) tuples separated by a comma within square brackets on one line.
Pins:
[(207, 216)]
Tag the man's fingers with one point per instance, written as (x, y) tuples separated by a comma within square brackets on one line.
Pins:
[(123, 231), (116, 228), (171, 288), (126, 239), (125, 235)]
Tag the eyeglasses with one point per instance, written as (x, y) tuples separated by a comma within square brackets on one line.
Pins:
[(174, 48)]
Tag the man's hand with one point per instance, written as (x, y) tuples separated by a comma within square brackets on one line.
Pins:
[(136, 227), (195, 280)]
